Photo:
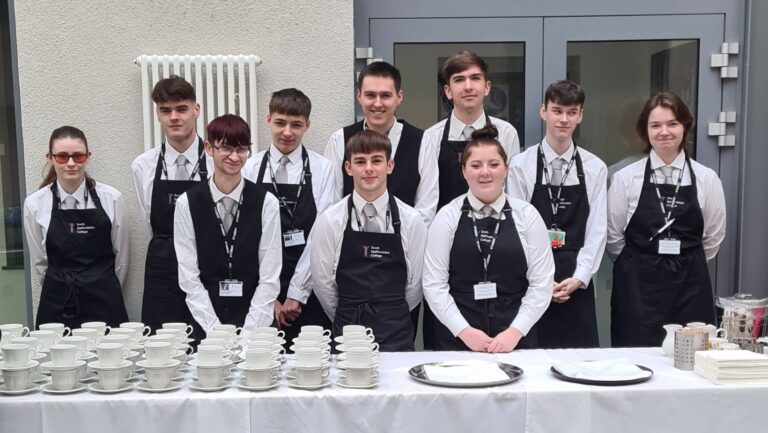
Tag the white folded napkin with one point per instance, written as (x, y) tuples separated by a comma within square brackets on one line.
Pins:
[(465, 372), (607, 370)]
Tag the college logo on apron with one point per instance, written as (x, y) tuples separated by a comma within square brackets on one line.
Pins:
[(80, 228), (374, 252)]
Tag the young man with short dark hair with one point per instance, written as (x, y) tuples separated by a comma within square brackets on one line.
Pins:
[(568, 187)]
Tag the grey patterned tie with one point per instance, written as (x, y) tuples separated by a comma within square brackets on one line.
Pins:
[(487, 211), (181, 168), (281, 174), (370, 223), (229, 212), (466, 134), (557, 170), (667, 171), (69, 203)]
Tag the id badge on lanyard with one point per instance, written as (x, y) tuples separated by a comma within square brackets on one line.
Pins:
[(669, 246), (485, 290), (556, 237), (293, 238), (230, 288)]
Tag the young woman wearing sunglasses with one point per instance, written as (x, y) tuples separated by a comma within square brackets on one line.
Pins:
[(77, 238)]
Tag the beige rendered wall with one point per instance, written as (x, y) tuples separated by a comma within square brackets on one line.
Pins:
[(75, 61)]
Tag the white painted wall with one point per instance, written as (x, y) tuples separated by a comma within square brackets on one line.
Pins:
[(76, 67)]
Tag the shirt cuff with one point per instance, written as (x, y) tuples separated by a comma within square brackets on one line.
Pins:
[(584, 276), (523, 324), (298, 294), (456, 324)]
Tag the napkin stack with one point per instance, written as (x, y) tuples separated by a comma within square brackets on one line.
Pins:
[(465, 372), (724, 367), (605, 370)]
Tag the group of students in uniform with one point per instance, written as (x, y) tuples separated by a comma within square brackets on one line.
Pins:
[(502, 245)]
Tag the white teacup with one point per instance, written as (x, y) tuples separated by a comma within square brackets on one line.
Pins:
[(141, 329), (317, 336), (111, 354), (308, 356), (32, 342), (263, 336), (357, 336), (100, 326), (17, 355), (65, 379), (359, 357), (17, 380), (179, 326), (89, 333), (359, 376), (125, 340), (64, 354), (211, 356), (694, 325), (231, 329), (714, 331), (314, 328), (179, 335), (229, 346), (47, 337), (268, 330), (130, 333), (159, 378), (222, 335), (170, 338), (361, 343), (10, 331), (262, 344), (349, 329), (311, 377), (259, 357), (210, 376), (83, 343), (58, 328), (158, 353), (111, 379), (260, 377)]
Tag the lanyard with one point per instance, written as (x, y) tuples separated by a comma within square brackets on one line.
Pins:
[(302, 181), (195, 169), (229, 244), (360, 225), (55, 191), (554, 201), (486, 259), (668, 212)]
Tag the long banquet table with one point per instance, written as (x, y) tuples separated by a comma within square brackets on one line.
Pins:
[(673, 400)]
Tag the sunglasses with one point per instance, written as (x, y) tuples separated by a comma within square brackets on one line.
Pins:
[(63, 157)]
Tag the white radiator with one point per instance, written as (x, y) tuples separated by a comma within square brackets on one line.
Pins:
[(223, 83)]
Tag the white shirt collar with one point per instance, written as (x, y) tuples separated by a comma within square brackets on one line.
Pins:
[(550, 154), (294, 156), (457, 126), (79, 193), (191, 153), (657, 162), (218, 195), (380, 203), (394, 131), (477, 205)]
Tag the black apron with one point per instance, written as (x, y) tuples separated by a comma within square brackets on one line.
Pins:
[(508, 269), (371, 278), (651, 289), (80, 283), (572, 323), (163, 300), (295, 213), (405, 178), (211, 252), (451, 184)]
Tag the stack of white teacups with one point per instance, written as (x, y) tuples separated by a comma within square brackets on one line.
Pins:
[(311, 358), (17, 367), (112, 367), (65, 368), (159, 367), (10, 331), (359, 357), (261, 366), (213, 365)]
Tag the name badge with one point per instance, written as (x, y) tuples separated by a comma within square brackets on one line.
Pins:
[(556, 238), (292, 238), (485, 290), (669, 246), (230, 289)]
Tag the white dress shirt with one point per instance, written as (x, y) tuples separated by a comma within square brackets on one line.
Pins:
[(37, 219), (627, 184), (328, 235), (538, 255), (522, 172), (323, 192), (261, 312), (427, 191), (143, 168), (507, 135)]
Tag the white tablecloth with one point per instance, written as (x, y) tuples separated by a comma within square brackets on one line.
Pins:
[(672, 400)]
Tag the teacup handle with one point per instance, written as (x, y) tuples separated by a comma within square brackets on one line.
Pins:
[(189, 330), (374, 347), (281, 333), (39, 346), (126, 352), (147, 331), (326, 372), (281, 351), (79, 352), (374, 374), (31, 353), (718, 331), (108, 330), (189, 350), (326, 333), (67, 332), (238, 331), (24, 331), (91, 345), (369, 331)]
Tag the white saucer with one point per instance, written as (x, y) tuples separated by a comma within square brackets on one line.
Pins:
[(343, 357), (340, 339), (243, 367), (342, 365), (40, 356), (88, 356), (343, 348), (172, 386), (274, 385), (96, 365), (96, 387), (32, 388), (342, 382), (227, 377), (49, 389), (49, 365), (28, 366), (292, 357), (197, 387), (144, 364), (294, 384), (90, 376), (323, 365), (38, 378), (194, 363), (278, 341)]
